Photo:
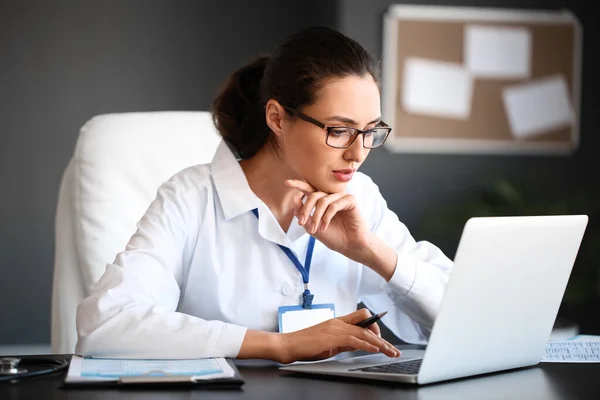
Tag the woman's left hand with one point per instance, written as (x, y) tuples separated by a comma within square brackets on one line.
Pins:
[(336, 221)]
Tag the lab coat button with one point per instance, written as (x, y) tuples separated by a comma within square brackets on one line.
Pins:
[(287, 290)]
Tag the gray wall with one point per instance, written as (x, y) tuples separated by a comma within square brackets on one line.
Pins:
[(61, 62)]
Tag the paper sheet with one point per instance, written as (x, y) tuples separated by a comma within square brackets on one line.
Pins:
[(436, 88), (110, 369), (572, 351), (497, 52), (537, 107)]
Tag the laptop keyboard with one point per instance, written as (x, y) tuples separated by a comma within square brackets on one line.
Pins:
[(403, 367)]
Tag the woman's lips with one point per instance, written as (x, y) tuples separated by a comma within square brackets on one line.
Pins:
[(344, 175)]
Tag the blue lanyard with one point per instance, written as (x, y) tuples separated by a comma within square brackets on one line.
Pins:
[(307, 297)]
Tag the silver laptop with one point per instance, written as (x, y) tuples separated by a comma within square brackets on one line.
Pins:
[(509, 278)]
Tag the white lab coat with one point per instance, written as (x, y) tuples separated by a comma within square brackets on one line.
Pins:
[(202, 269)]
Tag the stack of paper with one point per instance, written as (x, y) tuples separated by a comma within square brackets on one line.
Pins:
[(581, 350), (108, 369)]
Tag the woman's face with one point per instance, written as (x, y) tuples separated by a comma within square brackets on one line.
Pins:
[(351, 101)]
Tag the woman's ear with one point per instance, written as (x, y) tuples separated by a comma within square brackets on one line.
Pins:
[(274, 114)]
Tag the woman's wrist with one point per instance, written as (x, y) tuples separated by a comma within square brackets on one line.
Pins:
[(262, 345), (378, 256)]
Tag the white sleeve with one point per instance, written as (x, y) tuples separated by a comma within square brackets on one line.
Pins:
[(131, 311), (414, 294)]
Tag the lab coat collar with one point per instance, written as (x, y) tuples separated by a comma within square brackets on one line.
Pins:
[(235, 194), (237, 198)]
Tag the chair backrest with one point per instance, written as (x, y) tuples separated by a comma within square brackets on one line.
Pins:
[(119, 162)]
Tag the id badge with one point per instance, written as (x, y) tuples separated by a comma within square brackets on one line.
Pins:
[(295, 318)]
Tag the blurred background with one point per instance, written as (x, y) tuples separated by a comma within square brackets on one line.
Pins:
[(64, 61)]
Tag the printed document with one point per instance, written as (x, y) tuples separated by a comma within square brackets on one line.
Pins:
[(574, 351), (113, 369)]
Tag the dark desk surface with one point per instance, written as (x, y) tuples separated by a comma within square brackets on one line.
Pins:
[(545, 381)]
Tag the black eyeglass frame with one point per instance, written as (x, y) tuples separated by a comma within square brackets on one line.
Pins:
[(304, 117)]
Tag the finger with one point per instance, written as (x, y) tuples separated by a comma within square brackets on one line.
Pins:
[(359, 315), (303, 186), (309, 205), (391, 350), (366, 334), (345, 203), (375, 329), (358, 344), (355, 317), (320, 208), (383, 345)]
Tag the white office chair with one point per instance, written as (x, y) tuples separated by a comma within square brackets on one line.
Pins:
[(118, 163)]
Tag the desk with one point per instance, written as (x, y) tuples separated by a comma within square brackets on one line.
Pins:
[(546, 381)]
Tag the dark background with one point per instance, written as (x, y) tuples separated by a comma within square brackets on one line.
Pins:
[(64, 61)]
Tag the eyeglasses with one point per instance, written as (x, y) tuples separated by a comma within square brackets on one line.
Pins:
[(342, 137)]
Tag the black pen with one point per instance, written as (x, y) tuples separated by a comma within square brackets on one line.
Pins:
[(371, 320)]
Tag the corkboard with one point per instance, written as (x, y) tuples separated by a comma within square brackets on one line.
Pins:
[(437, 33)]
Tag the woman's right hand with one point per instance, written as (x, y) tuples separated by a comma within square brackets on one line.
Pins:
[(332, 337)]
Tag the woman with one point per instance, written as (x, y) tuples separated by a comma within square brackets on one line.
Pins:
[(214, 255)]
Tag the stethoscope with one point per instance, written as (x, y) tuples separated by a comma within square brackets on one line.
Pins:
[(10, 367)]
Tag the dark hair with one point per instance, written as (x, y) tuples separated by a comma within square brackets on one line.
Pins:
[(293, 75)]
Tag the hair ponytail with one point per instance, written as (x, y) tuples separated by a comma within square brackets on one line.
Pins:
[(238, 112), (293, 75)]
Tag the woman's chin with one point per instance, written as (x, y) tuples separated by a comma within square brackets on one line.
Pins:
[(333, 186)]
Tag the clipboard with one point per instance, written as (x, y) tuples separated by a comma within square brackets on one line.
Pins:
[(166, 382)]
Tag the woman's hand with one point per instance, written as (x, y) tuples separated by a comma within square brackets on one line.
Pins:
[(336, 221), (333, 337)]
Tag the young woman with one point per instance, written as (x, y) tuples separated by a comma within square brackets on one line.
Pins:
[(280, 217)]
